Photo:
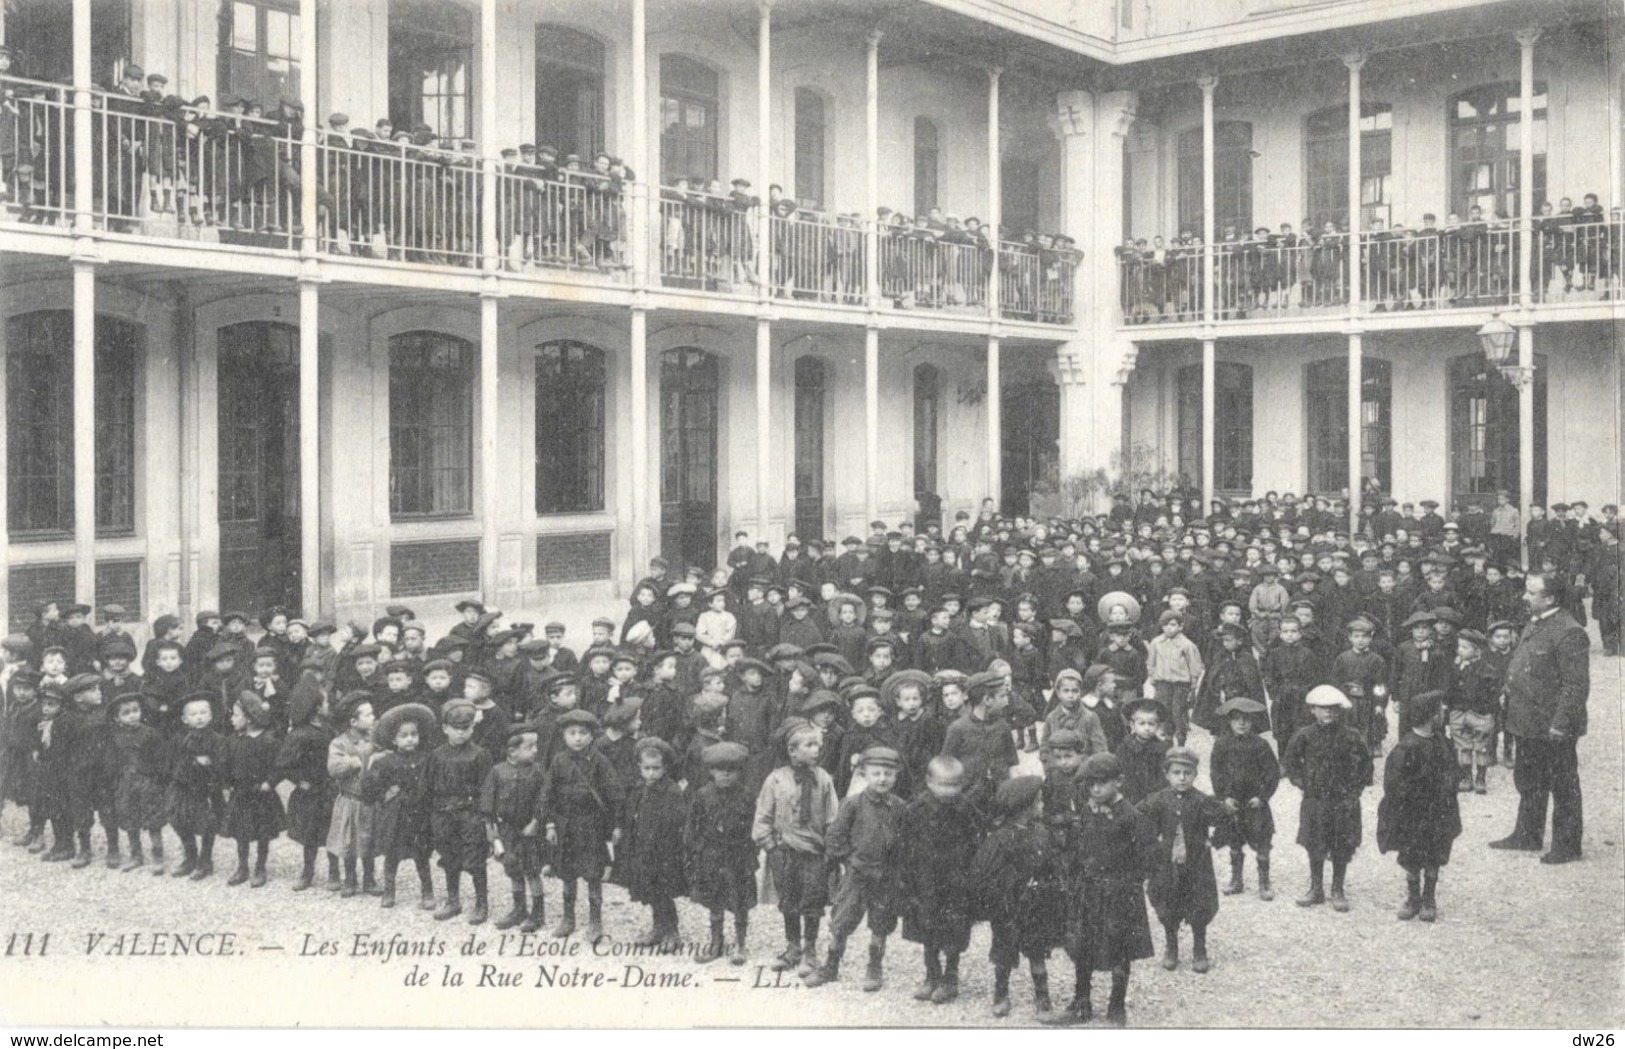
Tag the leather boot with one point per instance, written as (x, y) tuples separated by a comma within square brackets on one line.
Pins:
[(787, 959), (595, 921), (567, 921), (872, 976), (482, 906), (533, 918), (426, 892), (238, 876), (1235, 888), (830, 971), (1479, 784), (81, 856), (1265, 892), (809, 959), (1170, 954), (451, 908), (1001, 991), (1117, 1006), (1413, 898), (516, 914), (1429, 911), (1043, 1011), (1317, 887), (948, 989), (388, 899)]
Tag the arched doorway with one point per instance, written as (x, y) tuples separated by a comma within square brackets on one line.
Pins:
[(811, 376), (1031, 418), (258, 395), (927, 416), (688, 457), (1484, 432)]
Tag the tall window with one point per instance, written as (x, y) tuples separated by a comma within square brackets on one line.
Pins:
[(689, 114), (1232, 177), (1484, 432), (811, 385), (809, 148), (431, 410), (1326, 391), (927, 416), (1484, 149), (1326, 163), (259, 49), (40, 423), (925, 165), (1232, 426), (1018, 192), (431, 57), (41, 34), (569, 428), (569, 90)]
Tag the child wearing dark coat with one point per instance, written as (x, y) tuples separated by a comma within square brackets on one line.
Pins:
[(254, 812), (509, 804), (196, 775), (1419, 816), (135, 755), (1331, 763), (1245, 774), (1110, 856), (651, 853), (453, 778), (721, 857), (940, 832), (1017, 875), (1182, 886), (580, 807), (394, 785), (1141, 751), (21, 740), (302, 761), (86, 735)]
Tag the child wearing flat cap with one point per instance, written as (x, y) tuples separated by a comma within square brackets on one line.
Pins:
[(580, 809), (1183, 888), (254, 813), (1419, 817), (508, 805), (453, 778), (1244, 774), (794, 810), (1331, 763), (721, 857), (1020, 889)]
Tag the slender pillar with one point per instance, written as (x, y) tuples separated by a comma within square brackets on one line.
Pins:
[(871, 176), (644, 198), (307, 138), (5, 513), (83, 170), (995, 424), (764, 155), (490, 475), (1208, 368), (84, 432), (310, 449), (1356, 274), (764, 422), (1524, 379), (1526, 167), (995, 192), (871, 423), (642, 491), (1209, 257), (1356, 431), (489, 155)]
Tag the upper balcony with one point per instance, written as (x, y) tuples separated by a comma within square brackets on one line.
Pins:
[(164, 171)]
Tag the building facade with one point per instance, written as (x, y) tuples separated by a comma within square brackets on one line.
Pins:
[(327, 369)]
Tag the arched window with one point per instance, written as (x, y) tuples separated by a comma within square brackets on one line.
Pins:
[(1232, 177), (809, 146), (1232, 426), (1326, 163), (689, 115), (569, 90), (1484, 149), (927, 417), (1326, 393), (811, 384), (431, 59), (431, 424), (690, 382), (1484, 432), (925, 165), (40, 424), (569, 428)]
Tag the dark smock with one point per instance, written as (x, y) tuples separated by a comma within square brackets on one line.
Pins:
[(1111, 853), (1419, 816), (1186, 891), (1331, 764), (937, 846)]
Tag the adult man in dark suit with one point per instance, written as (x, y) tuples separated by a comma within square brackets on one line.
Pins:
[(1546, 689)]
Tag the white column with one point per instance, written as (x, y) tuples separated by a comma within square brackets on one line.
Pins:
[(871, 423), (1524, 379), (995, 198), (1356, 434), (490, 476), (490, 155), (645, 194), (638, 437), (83, 171), (871, 177), (5, 515), (764, 156), (308, 65), (1209, 275), (1526, 168), (764, 422), (995, 424), (84, 432), (310, 449), (1356, 272), (1074, 447), (1208, 367)]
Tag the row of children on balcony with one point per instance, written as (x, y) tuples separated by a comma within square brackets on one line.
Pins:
[(1403, 268)]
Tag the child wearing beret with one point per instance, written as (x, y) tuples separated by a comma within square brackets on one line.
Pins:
[(254, 812), (1419, 817), (1018, 884), (721, 857), (1331, 763), (939, 832), (1244, 775), (453, 778), (580, 809), (508, 804), (302, 761), (1183, 888)]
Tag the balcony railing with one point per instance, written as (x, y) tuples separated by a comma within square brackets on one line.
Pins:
[(1474, 265), (162, 169)]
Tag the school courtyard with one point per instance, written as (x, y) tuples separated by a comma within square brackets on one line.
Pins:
[(1517, 944)]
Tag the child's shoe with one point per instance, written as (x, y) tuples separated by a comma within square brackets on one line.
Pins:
[(450, 909), (1117, 1014), (185, 869), (925, 990), (259, 879), (946, 991), (566, 925), (1200, 963), (1412, 904), (349, 888), (516, 914), (787, 959), (829, 972), (809, 959), (737, 955), (81, 858), (1080, 1010), (27, 838), (480, 911), (1479, 786), (369, 884), (303, 882), (872, 976), (648, 938), (136, 860), (533, 918), (1001, 1007), (158, 862), (37, 846), (388, 899), (1235, 887), (205, 868), (239, 876), (711, 951), (59, 852), (1043, 1011), (1429, 911), (594, 930), (1265, 892), (1340, 903), (426, 901), (1314, 897), (115, 860)]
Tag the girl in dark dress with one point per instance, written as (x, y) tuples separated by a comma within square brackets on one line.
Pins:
[(302, 761), (1419, 816), (254, 814), (653, 848), (394, 784), (135, 752), (196, 776)]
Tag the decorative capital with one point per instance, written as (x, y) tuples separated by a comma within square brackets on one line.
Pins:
[(993, 73), (1117, 111), (1207, 82), (1125, 365), (875, 36), (1074, 112), (1069, 369), (1528, 35), (1521, 377), (1354, 60)]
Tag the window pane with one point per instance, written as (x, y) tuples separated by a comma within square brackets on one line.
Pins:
[(244, 27), (569, 428), (430, 424)]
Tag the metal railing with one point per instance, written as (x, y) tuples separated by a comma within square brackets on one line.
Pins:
[(399, 201), (1035, 284), (36, 142), (706, 242), (1578, 261), (816, 258), (578, 222), (922, 270)]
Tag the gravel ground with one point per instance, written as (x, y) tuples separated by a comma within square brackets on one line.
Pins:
[(1516, 945)]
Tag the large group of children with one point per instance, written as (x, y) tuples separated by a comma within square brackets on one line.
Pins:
[(851, 721)]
